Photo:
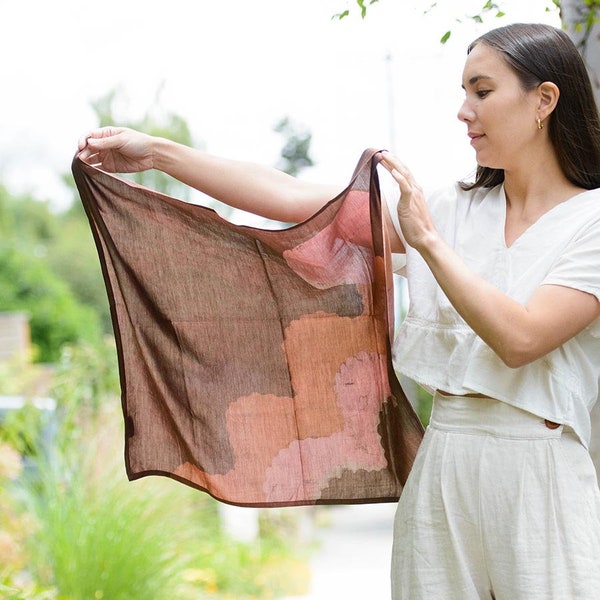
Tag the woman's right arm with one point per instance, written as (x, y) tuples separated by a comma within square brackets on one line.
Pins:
[(251, 187)]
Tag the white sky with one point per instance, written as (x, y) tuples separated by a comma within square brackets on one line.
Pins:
[(232, 68)]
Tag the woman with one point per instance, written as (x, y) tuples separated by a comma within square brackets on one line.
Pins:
[(504, 281)]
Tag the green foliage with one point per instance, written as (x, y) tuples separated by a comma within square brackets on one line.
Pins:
[(587, 18), (266, 569), (86, 380), (362, 5), (98, 539), (10, 590), (22, 429), (48, 269), (99, 536), (26, 284), (424, 405), (83, 532), (49, 265), (73, 258), (86, 376), (24, 220), (488, 8)]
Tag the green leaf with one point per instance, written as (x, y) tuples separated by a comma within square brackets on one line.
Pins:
[(363, 8), (445, 37), (340, 16), (428, 10)]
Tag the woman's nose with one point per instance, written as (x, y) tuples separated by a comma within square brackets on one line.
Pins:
[(465, 113)]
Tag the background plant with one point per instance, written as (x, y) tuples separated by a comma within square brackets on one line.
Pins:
[(73, 526)]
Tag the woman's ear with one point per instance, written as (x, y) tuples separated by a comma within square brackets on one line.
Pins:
[(548, 93)]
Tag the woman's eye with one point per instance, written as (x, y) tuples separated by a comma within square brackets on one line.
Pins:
[(482, 93)]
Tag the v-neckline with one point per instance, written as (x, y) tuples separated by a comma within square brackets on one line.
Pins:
[(533, 226)]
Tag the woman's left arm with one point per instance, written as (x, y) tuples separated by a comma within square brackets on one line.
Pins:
[(517, 333)]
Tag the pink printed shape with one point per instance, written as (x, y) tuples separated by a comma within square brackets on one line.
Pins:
[(258, 425), (306, 466), (341, 252)]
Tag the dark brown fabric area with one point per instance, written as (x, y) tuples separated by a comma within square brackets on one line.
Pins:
[(255, 364)]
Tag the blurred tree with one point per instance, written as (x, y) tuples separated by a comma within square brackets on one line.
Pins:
[(72, 256), (581, 19), (65, 240), (29, 233), (24, 220), (56, 317), (295, 151)]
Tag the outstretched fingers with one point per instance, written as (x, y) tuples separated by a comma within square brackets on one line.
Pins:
[(413, 213), (400, 172)]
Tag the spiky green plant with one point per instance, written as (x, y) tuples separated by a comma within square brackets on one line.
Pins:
[(101, 538)]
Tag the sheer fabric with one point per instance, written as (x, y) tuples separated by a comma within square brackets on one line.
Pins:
[(255, 364)]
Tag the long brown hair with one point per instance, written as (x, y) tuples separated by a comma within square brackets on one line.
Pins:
[(539, 53)]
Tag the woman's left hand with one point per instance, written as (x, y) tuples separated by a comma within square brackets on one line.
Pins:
[(415, 219)]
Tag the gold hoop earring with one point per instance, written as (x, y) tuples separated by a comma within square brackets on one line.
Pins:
[(540, 124)]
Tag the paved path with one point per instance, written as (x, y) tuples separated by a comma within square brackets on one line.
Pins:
[(354, 555)]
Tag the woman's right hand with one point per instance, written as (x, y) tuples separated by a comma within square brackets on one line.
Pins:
[(117, 150)]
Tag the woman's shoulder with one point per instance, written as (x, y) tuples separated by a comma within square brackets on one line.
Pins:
[(582, 211), (456, 198), (448, 203), (590, 199)]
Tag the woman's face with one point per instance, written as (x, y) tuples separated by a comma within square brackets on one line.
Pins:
[(500, 115)]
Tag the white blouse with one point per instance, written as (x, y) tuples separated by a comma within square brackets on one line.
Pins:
[(435, 347)]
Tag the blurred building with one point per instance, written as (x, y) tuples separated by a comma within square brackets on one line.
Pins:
[(15, 338)]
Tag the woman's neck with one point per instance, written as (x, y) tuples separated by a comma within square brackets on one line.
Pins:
[(530, 197), (537, 188)]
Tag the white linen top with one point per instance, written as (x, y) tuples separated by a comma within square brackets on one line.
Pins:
[(435, 347)]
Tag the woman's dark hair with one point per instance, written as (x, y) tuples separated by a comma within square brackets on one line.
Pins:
[(539, 53)]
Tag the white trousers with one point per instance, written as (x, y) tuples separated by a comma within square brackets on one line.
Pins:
[(497, 506)]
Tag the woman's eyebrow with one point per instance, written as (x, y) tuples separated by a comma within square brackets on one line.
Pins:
[(475, 79)]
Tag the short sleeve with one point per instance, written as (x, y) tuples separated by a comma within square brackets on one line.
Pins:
[(578, 266)]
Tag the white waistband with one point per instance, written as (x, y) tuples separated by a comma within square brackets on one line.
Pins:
[(487, 416)]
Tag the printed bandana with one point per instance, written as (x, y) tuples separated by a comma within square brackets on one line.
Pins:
[(255, 364)]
